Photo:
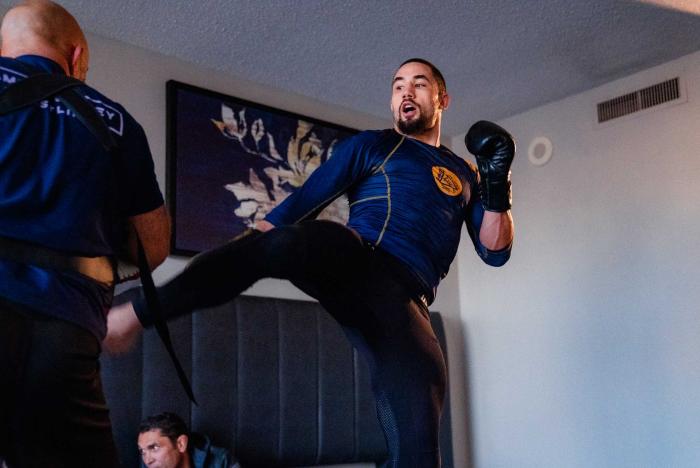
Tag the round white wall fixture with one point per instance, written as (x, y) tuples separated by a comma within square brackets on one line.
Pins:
[(540, 151)]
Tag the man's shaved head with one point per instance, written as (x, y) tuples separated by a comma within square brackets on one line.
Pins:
[(42, 27)]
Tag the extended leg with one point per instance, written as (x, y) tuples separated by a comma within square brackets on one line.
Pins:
[(315, 255), (308, 253)]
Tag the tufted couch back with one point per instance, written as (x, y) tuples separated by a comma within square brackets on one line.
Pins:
[(276, 381)]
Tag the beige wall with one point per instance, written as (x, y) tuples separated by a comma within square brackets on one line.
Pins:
[(583, 350)]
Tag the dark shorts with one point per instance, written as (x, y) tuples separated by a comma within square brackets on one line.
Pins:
[(52, 408)]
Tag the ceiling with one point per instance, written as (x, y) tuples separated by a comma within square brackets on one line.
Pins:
[(499, 57)]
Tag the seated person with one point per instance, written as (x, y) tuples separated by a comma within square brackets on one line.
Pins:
[(165, 442)]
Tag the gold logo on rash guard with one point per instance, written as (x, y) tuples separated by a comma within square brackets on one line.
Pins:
[(446, 181)]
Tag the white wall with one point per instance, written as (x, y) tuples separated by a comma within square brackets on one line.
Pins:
[(584, 350), (136, 78)]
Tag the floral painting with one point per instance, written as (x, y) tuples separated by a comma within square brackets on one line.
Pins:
[(231, 161)]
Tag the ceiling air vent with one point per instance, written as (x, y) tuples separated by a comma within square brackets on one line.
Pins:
[(638, 100)]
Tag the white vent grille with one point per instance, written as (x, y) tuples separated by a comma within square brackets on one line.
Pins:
[(639, 100)]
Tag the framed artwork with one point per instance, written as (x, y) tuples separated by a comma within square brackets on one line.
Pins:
[(231, 161)]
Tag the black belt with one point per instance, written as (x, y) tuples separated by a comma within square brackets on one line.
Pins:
[(100, 269), (149, 292)]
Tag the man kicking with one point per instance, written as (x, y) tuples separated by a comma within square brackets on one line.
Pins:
[(409, 197)]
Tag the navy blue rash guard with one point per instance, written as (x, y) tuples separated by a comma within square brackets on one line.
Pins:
[(406, 197), (60, 189)]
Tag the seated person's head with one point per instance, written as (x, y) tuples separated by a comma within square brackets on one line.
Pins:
[(163, 442)]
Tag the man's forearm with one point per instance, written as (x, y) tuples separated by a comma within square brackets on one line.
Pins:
[(496, 231)]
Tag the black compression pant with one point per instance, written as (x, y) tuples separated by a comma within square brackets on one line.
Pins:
[(368, 292)]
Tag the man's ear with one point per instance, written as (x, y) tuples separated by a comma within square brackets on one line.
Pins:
[(182, 442), (445, 101), (76, 70)]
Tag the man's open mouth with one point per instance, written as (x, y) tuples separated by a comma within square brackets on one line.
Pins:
[(408, 109)]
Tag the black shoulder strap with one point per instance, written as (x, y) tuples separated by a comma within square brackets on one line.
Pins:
[(89, 117), (33, 89), (41, 86)]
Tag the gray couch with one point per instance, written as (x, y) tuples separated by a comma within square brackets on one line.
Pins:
[(276, 382)]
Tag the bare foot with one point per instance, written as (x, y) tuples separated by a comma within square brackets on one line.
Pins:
[(123, 328)]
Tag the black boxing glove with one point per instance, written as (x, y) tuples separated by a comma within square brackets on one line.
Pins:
[(494, 149)]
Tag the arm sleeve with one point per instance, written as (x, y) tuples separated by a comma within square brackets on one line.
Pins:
[(473, 218), (141, 191), (348, 163)]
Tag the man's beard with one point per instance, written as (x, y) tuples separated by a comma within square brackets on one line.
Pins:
[(415, 126)]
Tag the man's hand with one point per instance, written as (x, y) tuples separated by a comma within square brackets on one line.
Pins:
[(494, 149)]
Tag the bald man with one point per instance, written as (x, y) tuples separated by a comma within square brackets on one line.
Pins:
[(63, 218)]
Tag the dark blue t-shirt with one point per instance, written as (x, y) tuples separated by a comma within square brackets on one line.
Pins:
[(406, 197), (60, 189)]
